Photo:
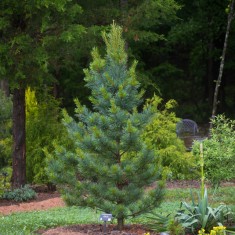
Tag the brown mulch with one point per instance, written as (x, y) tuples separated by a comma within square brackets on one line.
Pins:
[(46, 200), (43, 201), (97, 229)]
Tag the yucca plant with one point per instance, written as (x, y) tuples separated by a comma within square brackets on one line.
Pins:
[(200, 215), (196, 216)]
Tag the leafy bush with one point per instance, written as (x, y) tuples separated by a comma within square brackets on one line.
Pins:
[(219, 151), (20, 194), (160, 135)]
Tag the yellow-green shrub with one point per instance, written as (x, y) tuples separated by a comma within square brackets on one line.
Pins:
[(160, 135)]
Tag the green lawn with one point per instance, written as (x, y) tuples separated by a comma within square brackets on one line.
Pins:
[(28, 222)]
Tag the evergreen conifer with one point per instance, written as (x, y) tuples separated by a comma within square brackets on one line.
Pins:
[(111, 167)]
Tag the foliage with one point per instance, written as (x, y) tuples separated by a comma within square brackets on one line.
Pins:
[(219, 230), (160, 223), (43, 126), (34, 44), (112, 162), (22, 194), (200, 215), (160, 135), (5, 178), (5, 127), (30, 33), (219, 151), (20, 223)]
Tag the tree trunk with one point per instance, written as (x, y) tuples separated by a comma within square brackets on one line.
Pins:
[(19, 146), (215, 101), (120, 224)]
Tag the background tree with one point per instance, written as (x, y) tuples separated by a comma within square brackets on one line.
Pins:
[(112, 161), (218, 81), (145, 25), (27, 29)]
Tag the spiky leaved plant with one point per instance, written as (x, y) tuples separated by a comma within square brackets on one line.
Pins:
[(111, 166)]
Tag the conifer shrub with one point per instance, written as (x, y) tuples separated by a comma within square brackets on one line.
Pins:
[(160, 135), (43, 126), (111, 166)]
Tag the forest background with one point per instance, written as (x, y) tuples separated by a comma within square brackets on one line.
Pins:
[(178, 44)]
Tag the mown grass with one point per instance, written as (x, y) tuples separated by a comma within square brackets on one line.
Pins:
[(29, 222), (33, 221)]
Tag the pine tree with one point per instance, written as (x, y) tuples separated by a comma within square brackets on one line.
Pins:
[(111, 166)]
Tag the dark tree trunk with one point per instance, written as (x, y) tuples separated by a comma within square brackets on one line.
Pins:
[(19, 146), (120, 224)]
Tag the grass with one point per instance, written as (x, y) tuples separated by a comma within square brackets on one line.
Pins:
[(23, 223), (29, 222)]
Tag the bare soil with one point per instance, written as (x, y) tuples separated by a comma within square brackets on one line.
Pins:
[(46, 200)]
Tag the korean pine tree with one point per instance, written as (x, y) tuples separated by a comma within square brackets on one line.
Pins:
[(111, 166)]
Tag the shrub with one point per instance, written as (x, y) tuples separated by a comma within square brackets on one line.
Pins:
[(219, 151), (160, 135), (43, 126), (24, 193)]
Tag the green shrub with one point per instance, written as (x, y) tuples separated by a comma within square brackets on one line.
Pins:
[(219, 151), (20, 194), (160, 135), (42, 128)]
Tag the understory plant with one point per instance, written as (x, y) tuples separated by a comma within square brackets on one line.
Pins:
[(21, 194), (43, 126), (111, 165), (219, 151)]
